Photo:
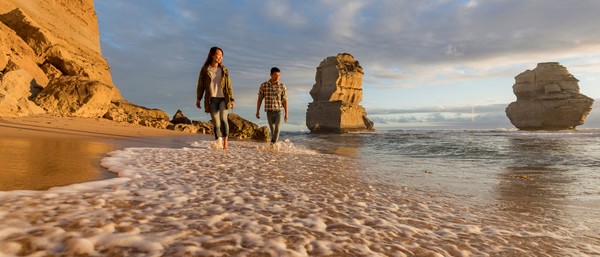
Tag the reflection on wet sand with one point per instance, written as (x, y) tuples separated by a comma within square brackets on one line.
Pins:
[(346, 145), (42, 163), (540, 184), (535, 179), (37, 164)]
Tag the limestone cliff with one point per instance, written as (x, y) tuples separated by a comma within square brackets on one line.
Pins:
[(44, 40), (548, 98), (336, 95)]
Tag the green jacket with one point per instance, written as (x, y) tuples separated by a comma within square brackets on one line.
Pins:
[(204, 83)]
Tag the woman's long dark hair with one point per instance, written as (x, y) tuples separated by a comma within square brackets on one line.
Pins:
[(211, 53)]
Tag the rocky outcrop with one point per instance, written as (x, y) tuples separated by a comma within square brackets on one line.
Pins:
[(63, 34), (239, 128), (124, 111), (180, 118), (46, 40), (204, 127), (71, 95), (180, 122), (336, 95), (16, 87), (51, 62), (548, 98), (20, 76)]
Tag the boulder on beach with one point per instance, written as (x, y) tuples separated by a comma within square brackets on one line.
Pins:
[(180, 118), (124, 111), (336, 95), (72, 95), (548, 98), (239, 128)]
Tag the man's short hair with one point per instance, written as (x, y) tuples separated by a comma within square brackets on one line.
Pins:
[(274, 69)]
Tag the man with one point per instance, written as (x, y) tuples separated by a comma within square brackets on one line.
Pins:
[(276, 104)]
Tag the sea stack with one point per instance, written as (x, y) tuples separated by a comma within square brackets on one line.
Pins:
[(336, 95), (548, 98)]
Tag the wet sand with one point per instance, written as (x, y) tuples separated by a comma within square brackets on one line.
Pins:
[(254, 201), (40, 152)]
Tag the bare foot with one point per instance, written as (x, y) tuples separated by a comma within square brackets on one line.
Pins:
[(225, 145)]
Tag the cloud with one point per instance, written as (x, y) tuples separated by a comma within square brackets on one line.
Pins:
[(281, 12), (155, 48), (344, 17), (455, 51), (440, 114), (442, 109)]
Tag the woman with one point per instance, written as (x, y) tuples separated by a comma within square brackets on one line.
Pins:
[(214, 80)]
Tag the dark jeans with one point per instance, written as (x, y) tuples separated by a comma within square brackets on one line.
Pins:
[(218, 115), (275, 119)]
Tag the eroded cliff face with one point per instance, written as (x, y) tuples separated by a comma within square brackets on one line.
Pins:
[(548, 98), (51, 62), (336, 95), (46, 40)]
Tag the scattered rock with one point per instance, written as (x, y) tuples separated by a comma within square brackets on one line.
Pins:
[(548, 98), (123, 111), (189, 128), (241, 128), (204, 127), (179, 118)]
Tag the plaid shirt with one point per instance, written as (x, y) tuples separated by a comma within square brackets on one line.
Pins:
[(274, 94)]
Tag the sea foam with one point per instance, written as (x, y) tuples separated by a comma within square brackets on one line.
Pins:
[(256, 199)]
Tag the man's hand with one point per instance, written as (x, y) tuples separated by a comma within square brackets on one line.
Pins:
[(258, 115), (198, 104)]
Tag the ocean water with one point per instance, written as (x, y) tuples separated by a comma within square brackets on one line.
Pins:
[(391, 193)]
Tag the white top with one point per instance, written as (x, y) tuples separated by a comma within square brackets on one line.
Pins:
[(215, 89)]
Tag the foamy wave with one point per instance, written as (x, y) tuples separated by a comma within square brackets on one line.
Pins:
[(285, 146), (258, 200)]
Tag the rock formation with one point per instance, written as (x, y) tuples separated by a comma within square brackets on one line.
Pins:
[(50, 62), (180, 118), (124, 111), (548, 98), (44, 40), (20, 76), (73, 95), (336, 97), (239, 128)]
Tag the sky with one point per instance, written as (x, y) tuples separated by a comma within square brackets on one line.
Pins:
[(427, 64)]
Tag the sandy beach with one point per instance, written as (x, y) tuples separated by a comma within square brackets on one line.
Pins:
[(173, 194), (43, 151)]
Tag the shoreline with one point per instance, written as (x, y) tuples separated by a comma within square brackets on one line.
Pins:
[(40, 152)]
